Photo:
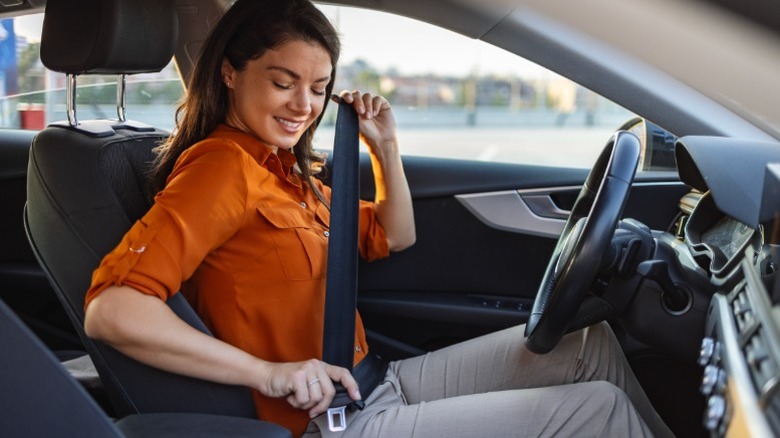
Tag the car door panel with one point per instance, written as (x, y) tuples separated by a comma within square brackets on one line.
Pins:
[(23, 285), (466, 276)]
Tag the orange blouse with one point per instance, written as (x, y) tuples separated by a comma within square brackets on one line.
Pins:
[(246, 241)]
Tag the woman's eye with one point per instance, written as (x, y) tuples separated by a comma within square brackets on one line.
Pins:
[(318, 92), (282, 86)]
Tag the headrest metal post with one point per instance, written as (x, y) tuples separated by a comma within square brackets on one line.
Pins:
[(120, 97), (70, 99)]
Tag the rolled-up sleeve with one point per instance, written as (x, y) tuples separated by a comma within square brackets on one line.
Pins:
[(372, 240), (202, 205)]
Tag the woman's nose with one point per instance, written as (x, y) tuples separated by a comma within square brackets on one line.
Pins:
[(301, 102)]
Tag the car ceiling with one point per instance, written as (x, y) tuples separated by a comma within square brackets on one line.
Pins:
[(764, 12)]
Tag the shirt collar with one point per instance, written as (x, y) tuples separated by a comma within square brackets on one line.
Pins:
[(261, 152)]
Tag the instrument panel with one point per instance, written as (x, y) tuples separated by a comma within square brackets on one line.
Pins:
[(716, 239)]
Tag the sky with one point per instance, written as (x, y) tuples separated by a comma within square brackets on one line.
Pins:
[(410, 46), (416, 47), (29, 26)]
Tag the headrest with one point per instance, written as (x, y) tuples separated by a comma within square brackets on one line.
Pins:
[(108, 36)]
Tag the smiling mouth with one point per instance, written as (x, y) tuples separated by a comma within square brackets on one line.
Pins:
[(289, 125)]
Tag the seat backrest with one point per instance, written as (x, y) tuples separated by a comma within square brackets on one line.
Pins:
[(86, 186), (41, 398)]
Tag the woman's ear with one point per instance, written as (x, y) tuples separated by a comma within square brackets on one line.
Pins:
[(227, 73)]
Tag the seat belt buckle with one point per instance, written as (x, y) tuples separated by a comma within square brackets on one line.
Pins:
[(337, 419), (339, 406)]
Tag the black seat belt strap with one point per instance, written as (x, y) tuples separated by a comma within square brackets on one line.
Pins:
[(338, 346)]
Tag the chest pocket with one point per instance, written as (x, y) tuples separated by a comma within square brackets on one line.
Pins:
[(301, 245)]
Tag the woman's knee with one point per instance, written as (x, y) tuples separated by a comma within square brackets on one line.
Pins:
[(600, 353), (601, 333), (613, 410), (605, 393)]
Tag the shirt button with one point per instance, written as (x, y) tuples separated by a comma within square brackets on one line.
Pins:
[(357, 348), (327, 234), (303, 205)]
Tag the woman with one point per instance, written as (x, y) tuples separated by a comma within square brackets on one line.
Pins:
[(240, 225)]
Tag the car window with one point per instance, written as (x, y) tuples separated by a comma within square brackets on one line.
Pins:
[(453, 97), (31, 96), (460, 98)]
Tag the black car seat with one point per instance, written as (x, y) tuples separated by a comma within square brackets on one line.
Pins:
[(86, 186), (42, 400)]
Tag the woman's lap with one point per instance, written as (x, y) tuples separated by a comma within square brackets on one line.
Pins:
[(494, 386)]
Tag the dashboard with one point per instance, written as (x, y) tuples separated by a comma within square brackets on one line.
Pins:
[(724, 233), (740, 354)]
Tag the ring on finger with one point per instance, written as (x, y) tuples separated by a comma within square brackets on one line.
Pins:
[(313, 382)]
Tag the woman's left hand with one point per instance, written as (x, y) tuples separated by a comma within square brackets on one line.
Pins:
[(392, 199), (377, 123)]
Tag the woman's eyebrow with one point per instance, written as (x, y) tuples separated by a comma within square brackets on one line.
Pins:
[(294, 75)]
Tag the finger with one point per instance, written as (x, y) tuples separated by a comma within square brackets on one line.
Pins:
[(314, 394), (346, 95), (357, 102), (314, 387), (353, 98), (377, 104), (300, 394), (368, 103), (343, 376), (328, 391), (315, 377)]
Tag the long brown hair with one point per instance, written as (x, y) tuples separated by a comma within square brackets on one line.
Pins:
[(247, 30)]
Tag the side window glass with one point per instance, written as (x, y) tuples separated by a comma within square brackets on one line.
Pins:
[(32, 96), (455, 97)]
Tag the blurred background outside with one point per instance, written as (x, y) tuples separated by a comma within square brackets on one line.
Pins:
[(452, 96)]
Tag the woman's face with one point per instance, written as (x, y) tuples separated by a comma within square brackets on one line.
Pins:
[(277, 96)]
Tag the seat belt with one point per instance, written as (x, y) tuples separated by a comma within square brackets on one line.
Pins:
[(338, 344)]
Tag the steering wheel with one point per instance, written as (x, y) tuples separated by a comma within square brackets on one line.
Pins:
[(585, 238)]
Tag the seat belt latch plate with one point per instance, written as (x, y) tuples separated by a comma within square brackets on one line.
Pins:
[(337, 419)]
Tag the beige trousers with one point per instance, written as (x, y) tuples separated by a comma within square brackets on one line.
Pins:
[(493, 386)]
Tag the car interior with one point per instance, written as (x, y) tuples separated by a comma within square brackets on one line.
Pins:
[(671, 237)]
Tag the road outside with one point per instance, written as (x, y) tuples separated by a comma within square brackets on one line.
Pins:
[(567, 147)]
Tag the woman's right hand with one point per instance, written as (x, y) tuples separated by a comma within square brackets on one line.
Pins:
[(307, 385)]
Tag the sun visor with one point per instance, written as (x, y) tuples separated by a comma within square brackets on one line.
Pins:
[(733, 170)]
